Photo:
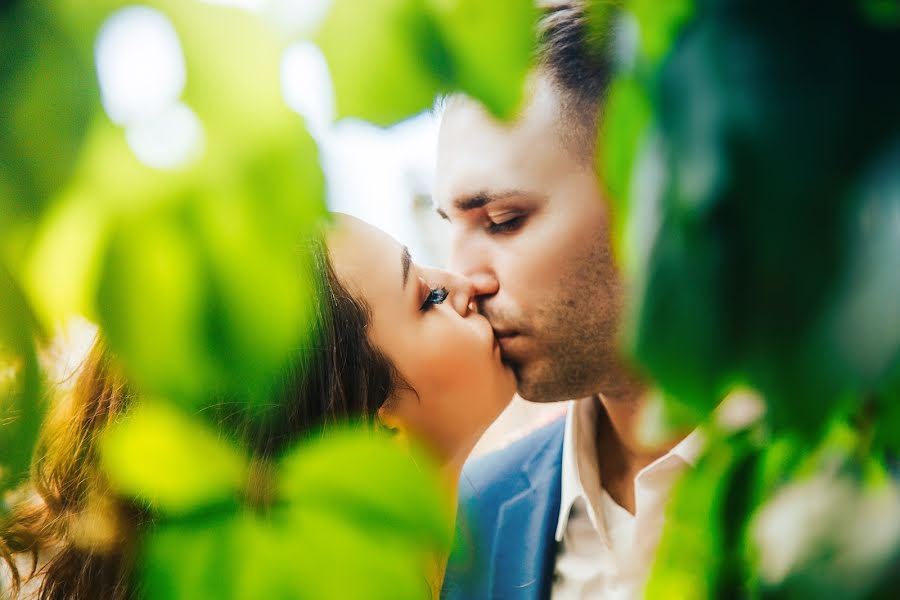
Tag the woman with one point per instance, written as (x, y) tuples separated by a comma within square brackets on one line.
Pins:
[(395, 344)]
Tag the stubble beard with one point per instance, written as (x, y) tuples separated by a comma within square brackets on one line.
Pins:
[(577, 336)]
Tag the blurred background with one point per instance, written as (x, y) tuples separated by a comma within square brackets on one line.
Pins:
[(382, 175), (154, 175)]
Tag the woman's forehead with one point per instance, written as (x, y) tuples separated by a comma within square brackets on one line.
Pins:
[(363, 256)]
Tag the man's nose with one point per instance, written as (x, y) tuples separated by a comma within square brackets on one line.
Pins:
[(476, 269), (462, 294)]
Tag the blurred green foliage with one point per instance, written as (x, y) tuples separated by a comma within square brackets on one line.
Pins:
[(703, 540), (755, 169), (406, 52), (175, 464), (195, 271), (21, 408), (331, 520), (752, 152), (41, 134), (767, 138)]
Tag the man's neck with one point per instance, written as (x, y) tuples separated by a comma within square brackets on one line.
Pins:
[(620, 453)]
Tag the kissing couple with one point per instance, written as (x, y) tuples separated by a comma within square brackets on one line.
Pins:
[(531, 303)]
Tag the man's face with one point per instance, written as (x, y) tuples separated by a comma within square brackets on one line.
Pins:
[(530, 227)]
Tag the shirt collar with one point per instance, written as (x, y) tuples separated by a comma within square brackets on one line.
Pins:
[(690, 448), (580, 478), (570, 486), (579, 456), (580, 471)]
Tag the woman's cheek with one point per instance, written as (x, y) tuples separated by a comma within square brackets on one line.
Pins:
[(443, 358)]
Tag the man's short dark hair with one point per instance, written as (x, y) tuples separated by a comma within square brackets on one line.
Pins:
[(574, 49)]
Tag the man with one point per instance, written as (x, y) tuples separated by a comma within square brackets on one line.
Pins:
[(575, 509)]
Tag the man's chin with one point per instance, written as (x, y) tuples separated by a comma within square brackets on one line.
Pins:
[(534, 387)]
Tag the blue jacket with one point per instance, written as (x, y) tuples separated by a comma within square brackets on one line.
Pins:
[(509, 507)]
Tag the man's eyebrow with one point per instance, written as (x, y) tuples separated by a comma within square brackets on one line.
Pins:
[(405, 261), (481, 199)]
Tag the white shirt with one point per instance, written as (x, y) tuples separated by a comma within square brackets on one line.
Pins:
[(605, 551)]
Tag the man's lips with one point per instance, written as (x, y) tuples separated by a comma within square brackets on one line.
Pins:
[(505, 338)]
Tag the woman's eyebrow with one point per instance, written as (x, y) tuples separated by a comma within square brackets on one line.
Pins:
[(405, 260)]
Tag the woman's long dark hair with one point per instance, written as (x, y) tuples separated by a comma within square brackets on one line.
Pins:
[(338, 375)]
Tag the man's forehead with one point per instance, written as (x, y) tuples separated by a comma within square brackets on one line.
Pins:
[(478, 155), (465, 122), (540, 109)]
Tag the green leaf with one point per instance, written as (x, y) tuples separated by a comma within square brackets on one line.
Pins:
[(194, 272), (161, 455), (887, 422), (386, 481), (386, 60), (151, 303), (369, 507), (262, 288), (504, 31), (625, 126), (686, 353), (355, 516), (195, 559), (744, 154), (405, 52), (21, 405), (47, 97), (244, 555), (885, 13), (859, 332), (237, 555), (700, 550), (63, 267), (202, 289), (660, 24), (384, 564)]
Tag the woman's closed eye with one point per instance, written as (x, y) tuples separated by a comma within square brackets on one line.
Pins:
[(435, 296)]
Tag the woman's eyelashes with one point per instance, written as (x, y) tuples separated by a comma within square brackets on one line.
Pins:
[(435, 296)]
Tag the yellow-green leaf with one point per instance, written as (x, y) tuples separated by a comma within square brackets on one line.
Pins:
[(163, 456), (504, 31), (387, 480), (386, 60)]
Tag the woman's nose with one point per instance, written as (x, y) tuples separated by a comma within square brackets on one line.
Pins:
[(461, 290)]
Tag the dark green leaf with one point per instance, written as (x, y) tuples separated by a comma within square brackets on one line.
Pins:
[(765, 145), (21, 405), (48, 95), (882, 12)]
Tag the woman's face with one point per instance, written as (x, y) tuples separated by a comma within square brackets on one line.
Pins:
[(435, 337)]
